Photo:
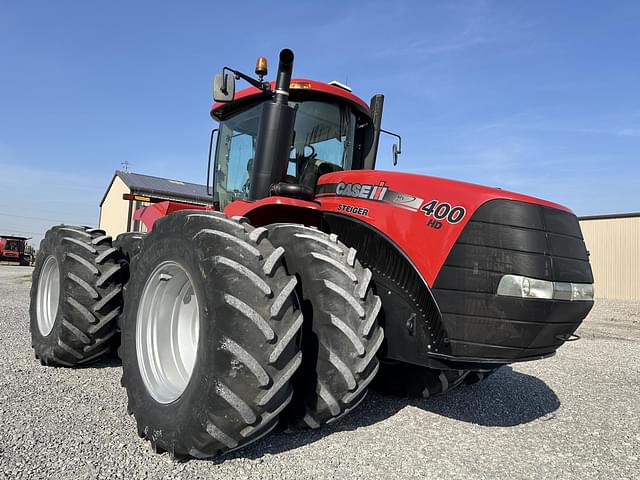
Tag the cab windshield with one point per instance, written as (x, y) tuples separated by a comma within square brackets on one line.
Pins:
[(322, 143), (12, 245)]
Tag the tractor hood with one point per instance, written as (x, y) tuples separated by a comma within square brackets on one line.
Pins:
[(424, 215)]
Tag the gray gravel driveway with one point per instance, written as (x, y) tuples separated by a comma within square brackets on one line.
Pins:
[(576, 415)]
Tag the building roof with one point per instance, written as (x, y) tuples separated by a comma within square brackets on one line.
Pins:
[(610, 216), (162, 187)]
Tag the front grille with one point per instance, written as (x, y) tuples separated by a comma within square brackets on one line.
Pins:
[(503, 237)]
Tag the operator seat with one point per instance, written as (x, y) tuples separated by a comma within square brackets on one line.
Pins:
[(314, 169)]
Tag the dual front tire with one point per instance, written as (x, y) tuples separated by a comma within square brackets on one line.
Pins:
[(250, 350), (210, 337), (341, 336)]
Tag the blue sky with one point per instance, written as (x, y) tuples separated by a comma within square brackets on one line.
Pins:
[(538, 97)]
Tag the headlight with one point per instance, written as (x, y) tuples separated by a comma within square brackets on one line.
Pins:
[(581, 291), (525, 287)]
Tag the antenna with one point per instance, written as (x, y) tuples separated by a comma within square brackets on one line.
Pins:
[(125, 165)]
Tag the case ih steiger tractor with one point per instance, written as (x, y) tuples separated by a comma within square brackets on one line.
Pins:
[(310, 275)]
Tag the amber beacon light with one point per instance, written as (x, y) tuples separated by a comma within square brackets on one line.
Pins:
[(261, 67)]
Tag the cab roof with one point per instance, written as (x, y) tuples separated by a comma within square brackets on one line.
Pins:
[(13, 237), (301, 89)]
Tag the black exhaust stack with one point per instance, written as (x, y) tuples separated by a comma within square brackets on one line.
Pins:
[(275, 134)]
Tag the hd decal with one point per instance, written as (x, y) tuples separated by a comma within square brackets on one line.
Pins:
[(377, 193)]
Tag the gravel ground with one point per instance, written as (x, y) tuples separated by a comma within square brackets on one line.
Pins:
[(576, 415)]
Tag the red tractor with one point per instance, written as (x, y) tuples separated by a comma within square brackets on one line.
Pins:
[(15, 249), (311, 276)]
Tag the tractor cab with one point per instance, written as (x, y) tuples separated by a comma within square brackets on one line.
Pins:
[(331, 130), (328, 136)]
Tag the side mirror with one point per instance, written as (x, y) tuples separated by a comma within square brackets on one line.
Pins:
[(397, 147), (224, 87)]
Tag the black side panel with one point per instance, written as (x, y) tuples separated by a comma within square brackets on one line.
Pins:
[(507, 212), (502, 237)]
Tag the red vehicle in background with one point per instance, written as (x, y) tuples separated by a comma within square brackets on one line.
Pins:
[(15, 249)]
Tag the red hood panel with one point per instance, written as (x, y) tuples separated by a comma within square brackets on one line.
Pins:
[(416, 184), (423, 215)]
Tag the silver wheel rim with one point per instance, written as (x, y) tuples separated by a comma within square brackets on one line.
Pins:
[(48, 295), (167, 331)]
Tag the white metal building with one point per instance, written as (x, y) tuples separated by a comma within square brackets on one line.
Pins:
[(614, 244)]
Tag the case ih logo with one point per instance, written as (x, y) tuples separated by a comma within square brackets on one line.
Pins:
[(362, 190), (377, 193)]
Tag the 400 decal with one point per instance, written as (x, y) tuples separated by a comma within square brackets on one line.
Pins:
[(443, 211)]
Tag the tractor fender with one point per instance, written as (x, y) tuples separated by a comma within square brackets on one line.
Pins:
[(410, 316), (276, 209), (261, 212)]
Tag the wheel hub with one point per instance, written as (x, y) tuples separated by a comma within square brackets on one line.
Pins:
[(167, 332), (48, 295)]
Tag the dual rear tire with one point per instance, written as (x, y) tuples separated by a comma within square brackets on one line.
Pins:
[(76, 296)]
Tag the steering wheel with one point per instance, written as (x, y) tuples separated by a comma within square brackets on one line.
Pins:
[(311, 156), (303, 161)]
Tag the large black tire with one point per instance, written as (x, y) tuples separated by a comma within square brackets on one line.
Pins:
[(90, 296), (129, 244), (341, 335), (248, 346), (412, 381)]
